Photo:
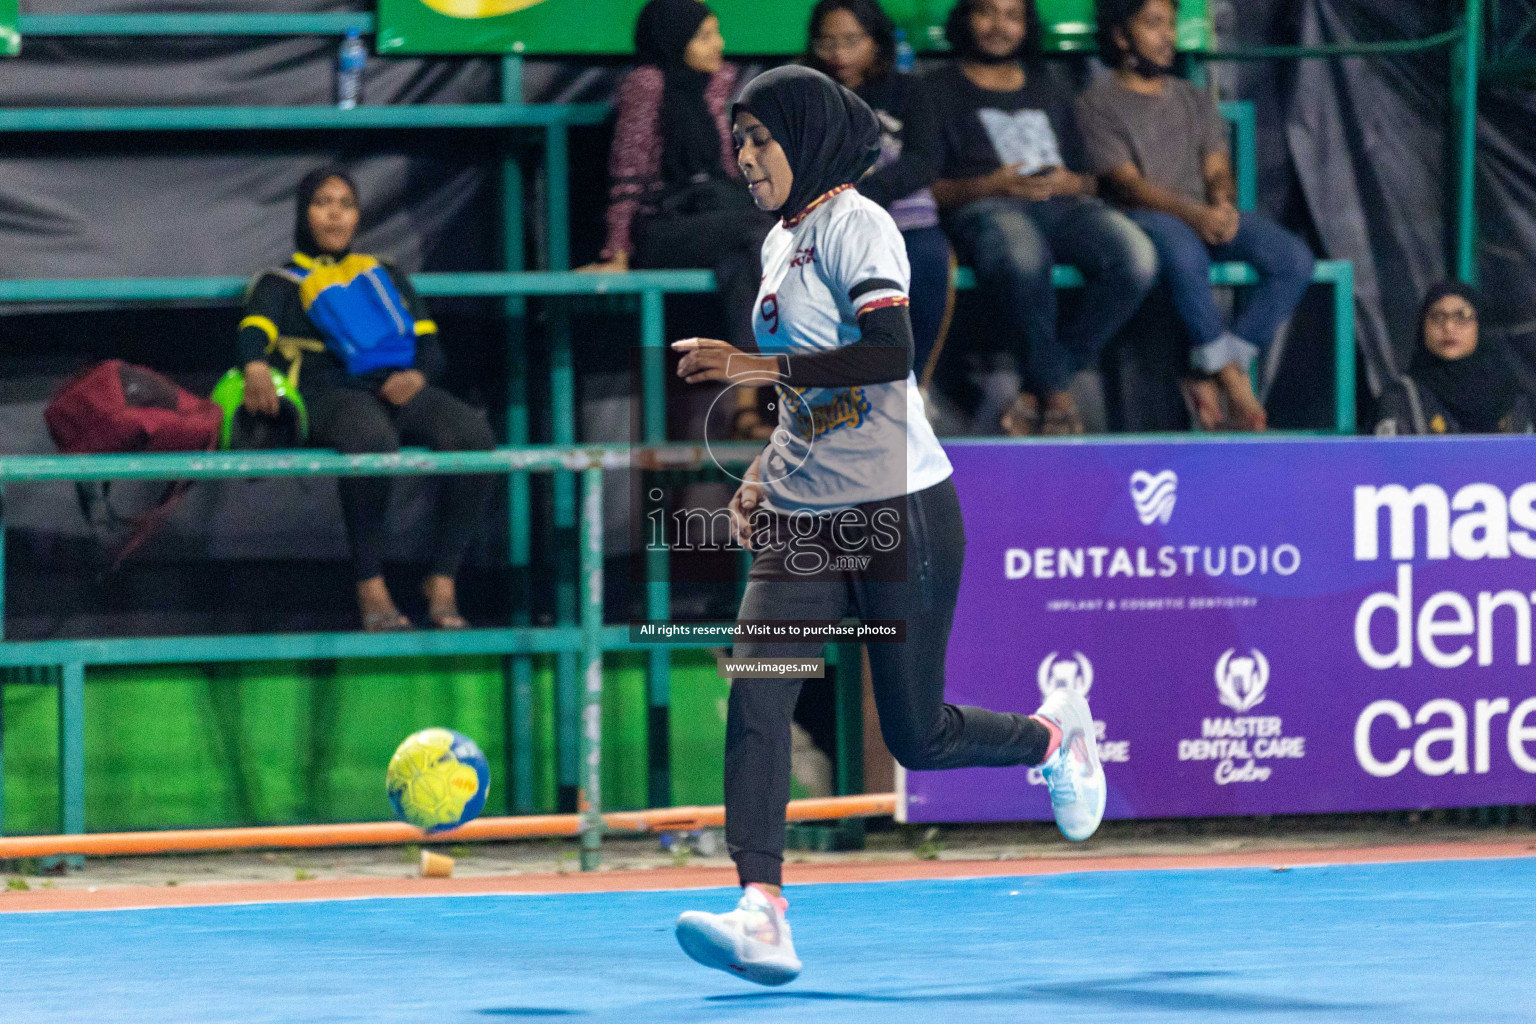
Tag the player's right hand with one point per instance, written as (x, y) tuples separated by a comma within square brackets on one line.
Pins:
[(260, 392)]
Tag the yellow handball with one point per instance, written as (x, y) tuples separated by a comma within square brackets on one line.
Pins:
[(437, 780)]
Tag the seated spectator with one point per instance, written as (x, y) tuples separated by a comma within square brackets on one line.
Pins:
[(677, 199), (1161, 146), (1456, 383), (854, 42), (366, 389), (1016, 207)]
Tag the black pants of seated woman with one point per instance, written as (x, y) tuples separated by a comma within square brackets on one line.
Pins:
[(917, 582), (357, 422)]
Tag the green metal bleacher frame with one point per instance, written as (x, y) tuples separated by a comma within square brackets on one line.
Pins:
[(578, 638)]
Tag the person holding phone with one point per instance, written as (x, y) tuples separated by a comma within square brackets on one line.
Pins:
[(1015, 207)]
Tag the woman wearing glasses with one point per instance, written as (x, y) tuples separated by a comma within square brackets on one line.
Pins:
[(1457, 382)]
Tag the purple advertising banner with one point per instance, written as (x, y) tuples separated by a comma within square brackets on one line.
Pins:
[(1261, 627)]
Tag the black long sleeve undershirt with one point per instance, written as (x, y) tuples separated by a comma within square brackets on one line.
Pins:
[(882, 354)]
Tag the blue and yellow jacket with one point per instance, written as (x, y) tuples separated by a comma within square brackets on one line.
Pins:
[(276, 327)]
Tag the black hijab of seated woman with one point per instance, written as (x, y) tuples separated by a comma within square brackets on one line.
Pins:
[(303, 237), (829, 136), (690, 136), (1480, 388)]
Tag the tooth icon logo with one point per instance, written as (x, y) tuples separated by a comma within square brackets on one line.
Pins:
[(1154, 495)]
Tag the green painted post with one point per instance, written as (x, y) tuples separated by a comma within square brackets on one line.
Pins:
[(2, 561), (72, 749), (1466, 192), (850, 719), (5, 675), (1245, 139), (653, 356), (590, 801), (849, 703), (1344, 346), (562, 386), (562, 400), (658, 587), (558, 195), (518, 690)]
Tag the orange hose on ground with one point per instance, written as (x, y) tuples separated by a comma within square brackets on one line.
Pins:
[(387, 833)]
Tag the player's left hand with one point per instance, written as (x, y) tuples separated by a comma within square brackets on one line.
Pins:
[(706, 359)]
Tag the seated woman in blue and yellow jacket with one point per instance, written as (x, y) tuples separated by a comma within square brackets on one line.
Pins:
[(356, 340)]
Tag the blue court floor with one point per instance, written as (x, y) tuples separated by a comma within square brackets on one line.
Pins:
[(1440, 943)]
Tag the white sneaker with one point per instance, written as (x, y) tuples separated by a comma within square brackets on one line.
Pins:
[(752, 941), (1073, 775)]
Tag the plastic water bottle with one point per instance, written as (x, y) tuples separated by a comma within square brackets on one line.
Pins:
[(349, 70), (906, 57)]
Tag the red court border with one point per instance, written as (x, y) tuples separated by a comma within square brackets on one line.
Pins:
[(146, 897)]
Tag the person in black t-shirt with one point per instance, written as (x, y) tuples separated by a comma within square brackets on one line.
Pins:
[(854, 43), (1015, 208)]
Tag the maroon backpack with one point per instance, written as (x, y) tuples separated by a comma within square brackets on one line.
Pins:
[(119, 407)]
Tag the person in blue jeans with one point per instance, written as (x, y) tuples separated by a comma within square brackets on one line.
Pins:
[(1015, 208), (1160, 146), (854, 43)]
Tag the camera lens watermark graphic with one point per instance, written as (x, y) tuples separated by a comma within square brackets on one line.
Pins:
[(787, 451)]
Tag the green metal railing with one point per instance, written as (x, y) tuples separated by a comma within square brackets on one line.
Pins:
[(551, 121), (585, 641), (195, 24)]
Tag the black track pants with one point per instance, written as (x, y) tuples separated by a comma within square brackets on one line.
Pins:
[(916, 582)]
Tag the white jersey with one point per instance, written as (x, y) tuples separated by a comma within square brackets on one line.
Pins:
[(840, 446)]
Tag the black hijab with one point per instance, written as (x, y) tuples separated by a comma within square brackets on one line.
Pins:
[(690, 136), (830, 136), (303, 238), (1479, 389)]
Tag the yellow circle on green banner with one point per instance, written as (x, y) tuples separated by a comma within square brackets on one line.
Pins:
[(479, 8)]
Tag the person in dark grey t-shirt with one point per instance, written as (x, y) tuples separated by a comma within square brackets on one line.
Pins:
[(1015, 202), (1160, 147)]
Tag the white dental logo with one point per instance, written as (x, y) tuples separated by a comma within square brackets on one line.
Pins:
[(1076, 673), (1241, 680), (1154, 495)]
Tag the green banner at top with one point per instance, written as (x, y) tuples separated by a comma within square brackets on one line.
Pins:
[(10, 38), (757, 27)]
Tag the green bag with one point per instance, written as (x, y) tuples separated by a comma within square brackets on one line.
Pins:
[(244, 430)]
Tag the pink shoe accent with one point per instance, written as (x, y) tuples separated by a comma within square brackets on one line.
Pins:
[(1055, 731), (782, 904)]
